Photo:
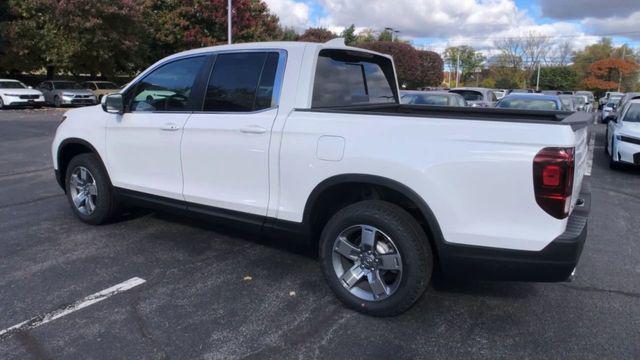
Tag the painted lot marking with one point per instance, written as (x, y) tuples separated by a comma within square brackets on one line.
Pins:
[(66, 310)]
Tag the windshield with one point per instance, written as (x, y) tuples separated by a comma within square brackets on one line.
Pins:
[(528, 104), (633, 114), (425, 99), (66, 85), (106, 85), (469, 95), (581, 100), (12, 85)]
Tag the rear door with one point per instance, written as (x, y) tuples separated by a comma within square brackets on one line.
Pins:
[(143, 144), (225, 147)]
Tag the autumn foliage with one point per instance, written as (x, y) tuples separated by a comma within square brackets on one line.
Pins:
[(605, 74), (414, 68)]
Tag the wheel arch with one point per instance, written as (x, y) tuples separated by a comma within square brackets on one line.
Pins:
[(67, 150), (320, 206)]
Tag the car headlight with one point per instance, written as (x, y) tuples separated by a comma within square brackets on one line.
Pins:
[(14, 95)]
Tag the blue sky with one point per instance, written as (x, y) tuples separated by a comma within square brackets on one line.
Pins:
[(437, 23)]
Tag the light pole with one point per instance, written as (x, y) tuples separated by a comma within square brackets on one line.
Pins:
[(229, 22), (457, 66), (538, 78)]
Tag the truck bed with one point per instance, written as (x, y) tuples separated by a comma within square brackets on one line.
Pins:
[(576, 120)]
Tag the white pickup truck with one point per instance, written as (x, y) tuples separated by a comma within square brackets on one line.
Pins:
[(309, 141)]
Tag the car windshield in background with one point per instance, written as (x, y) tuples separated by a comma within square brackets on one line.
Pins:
[(12, 85), (528, 104), (352, 78), (106, 85), (66, 85), (469, 95), (425, 99), (580, 100), (611, 104), (633, 114)]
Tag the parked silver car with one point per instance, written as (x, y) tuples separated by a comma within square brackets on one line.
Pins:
[(433, 98), (476, 96), (63, 92)]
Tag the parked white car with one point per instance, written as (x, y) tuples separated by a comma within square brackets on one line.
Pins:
[(310, 141), (15, 93), (623, 136)]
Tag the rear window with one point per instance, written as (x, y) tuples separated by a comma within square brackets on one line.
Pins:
[(469, 95), (528, 104), (351, 78)]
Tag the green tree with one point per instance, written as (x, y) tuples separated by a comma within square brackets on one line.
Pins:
[(431, 69), (349, 35), (288, 34), (75, 36), (386, 35), (556, 78), (470, 60), (365, 36)]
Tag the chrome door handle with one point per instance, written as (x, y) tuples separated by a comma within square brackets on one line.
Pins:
[(253, 129), (170, 127)]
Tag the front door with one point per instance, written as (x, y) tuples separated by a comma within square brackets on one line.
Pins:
[(143, 144)]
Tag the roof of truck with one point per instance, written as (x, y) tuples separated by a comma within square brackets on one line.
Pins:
[(337, 43)]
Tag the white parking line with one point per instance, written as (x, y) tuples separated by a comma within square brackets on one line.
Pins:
[(83, 303), (592, 144)]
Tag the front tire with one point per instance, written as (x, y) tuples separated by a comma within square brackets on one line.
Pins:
[(89, 190), (376, 258)]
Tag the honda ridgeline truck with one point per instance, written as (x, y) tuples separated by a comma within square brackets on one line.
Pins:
[(310, 141)]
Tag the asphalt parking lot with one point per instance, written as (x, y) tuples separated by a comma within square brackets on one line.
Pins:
[(217, 294)]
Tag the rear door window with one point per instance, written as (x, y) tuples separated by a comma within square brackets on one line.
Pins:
[(351, 78), (242, 82)]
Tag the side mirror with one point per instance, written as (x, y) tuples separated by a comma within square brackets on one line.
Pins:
[(113, 103)]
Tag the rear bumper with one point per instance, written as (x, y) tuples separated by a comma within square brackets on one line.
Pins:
[(555, 262)]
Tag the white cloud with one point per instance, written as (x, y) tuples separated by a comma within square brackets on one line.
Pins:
[(615, 25), (420, 18), (291, 13)]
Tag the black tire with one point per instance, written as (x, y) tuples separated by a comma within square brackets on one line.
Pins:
[(1, 103), (412, 245), (106, 204)]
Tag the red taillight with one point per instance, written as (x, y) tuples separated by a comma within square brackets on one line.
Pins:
[(553, 180)]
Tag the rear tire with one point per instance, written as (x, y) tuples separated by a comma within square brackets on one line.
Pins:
[(399, 263), (89, 190)]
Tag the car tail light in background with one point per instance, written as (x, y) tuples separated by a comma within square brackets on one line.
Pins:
[(553, 180)]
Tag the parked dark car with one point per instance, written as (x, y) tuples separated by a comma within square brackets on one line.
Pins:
[(531, 102), (476, 96)]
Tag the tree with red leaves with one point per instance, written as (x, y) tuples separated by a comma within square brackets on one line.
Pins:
[(186, 24), (414, 68), (319, 35), (606, 74)]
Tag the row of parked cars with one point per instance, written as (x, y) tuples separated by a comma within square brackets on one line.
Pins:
[(515, 99), (14, 93), (621, 113)]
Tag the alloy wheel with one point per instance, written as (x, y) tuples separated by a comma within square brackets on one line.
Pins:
[(83, 190), (367, 262)]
